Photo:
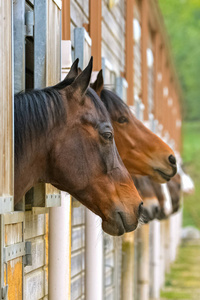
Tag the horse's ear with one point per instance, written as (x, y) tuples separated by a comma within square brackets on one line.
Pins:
[(73, 72), (79, 71), (98, 84), (80, 84)]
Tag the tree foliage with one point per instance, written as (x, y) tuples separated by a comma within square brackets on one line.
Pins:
[(182, 19)]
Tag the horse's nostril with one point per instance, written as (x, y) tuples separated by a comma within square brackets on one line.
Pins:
[(140, 209), (172, 159)]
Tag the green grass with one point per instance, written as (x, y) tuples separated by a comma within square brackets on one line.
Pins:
[(191, 159), (183, 281)]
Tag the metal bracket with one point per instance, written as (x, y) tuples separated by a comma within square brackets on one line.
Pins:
[(53, 200), (18, 250), (6, 204), (14, 251)]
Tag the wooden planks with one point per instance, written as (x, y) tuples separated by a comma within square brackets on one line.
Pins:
[(13, 270), (113, 35), (35, 276), (6, 103), (53, 73)]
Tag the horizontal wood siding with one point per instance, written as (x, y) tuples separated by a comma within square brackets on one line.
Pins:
[(113, 35), (79, 15), (35, 276), (6, 111)]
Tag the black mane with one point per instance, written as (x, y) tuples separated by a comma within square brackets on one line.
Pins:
[(34, 112), (114, 104), (37, 111)]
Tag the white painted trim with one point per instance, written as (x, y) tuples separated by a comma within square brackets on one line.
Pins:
[(108, 65), (58, 3), (125, 83), (87, 38)]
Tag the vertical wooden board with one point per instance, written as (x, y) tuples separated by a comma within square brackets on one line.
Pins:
[(53, 43), (53, 56), (13, 272), (13, 234), (15, 282), (6, 132), (46, 237)]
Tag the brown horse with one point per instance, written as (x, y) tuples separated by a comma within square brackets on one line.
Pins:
[(63, 136), (142, 152), (174, 186), (147, 193)]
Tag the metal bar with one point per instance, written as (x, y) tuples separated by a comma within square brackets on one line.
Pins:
[(80, 38), (19, 45), (14, 251), (40, 45)]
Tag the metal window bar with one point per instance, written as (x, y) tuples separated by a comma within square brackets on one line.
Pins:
[(78, 251)]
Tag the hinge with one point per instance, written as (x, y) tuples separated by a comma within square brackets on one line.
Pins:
[(4, 292), (6, 204), (18, 250), (27, 259)]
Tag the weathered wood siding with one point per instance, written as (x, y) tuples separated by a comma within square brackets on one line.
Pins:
[(6, 100), (113, 35), (53, 67), (13, 234), (79, 15), (35, 281), (36, 221)]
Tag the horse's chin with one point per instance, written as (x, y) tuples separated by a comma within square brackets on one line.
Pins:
[(112, 230), (117, 229)]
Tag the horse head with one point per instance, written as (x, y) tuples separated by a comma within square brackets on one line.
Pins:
[(151, 207), (85, 161), (142, 152)]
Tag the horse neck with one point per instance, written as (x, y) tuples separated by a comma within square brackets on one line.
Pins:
[(30, 169), (37, 114)]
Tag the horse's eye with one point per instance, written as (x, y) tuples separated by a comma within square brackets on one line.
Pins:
[(107, 136), (122, 120)]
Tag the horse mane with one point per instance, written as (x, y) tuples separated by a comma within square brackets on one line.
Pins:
[(37, 111), (34, 113), (113, 103)]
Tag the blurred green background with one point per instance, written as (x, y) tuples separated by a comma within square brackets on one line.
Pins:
[(182, 20)]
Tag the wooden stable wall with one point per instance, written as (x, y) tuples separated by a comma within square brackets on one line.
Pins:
[(6, 102), (111, 24), (113, 35), (125, 58)]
